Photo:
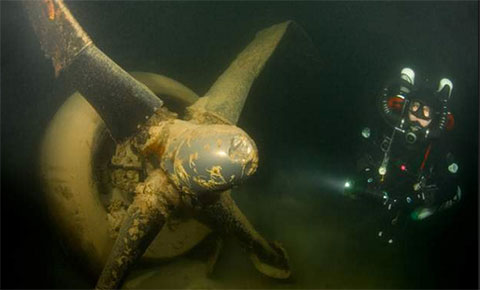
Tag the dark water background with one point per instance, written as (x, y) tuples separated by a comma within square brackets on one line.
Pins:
[(304, 112)]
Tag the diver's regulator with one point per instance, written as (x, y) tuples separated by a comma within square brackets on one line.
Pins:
[(410, 137)]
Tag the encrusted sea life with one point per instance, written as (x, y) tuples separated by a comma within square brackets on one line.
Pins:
[(167, 184)]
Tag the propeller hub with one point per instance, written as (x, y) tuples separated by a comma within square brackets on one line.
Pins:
[(200, 158)]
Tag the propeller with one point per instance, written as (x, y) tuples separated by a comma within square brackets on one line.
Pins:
[(204, 153)]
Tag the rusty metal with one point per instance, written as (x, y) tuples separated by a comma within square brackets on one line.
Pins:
[(145, 217), (123, 103), (187, 164), (206, 158), (60, 35)]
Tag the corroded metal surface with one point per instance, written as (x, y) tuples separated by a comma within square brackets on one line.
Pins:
[(60, 35), (145, 217), (168, 164), (195, 160), (201, 158), (121, 101), (88, 185)]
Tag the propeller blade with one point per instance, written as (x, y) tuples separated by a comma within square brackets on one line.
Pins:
[(121, 101), (224, 101)]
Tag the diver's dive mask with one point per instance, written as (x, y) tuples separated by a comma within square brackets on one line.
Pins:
[(420, 113), (419, 118)]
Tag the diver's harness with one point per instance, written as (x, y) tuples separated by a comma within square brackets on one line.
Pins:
[(420, 187), (419, 198), (409, 135)]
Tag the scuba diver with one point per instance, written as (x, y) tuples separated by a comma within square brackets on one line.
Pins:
[(404, 162)]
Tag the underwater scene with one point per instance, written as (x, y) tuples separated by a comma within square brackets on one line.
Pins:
[(239, 144)]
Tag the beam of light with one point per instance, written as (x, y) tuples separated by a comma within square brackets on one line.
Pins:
[(322, 181)]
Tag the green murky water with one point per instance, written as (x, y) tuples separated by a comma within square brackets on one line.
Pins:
[(303, 111)]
